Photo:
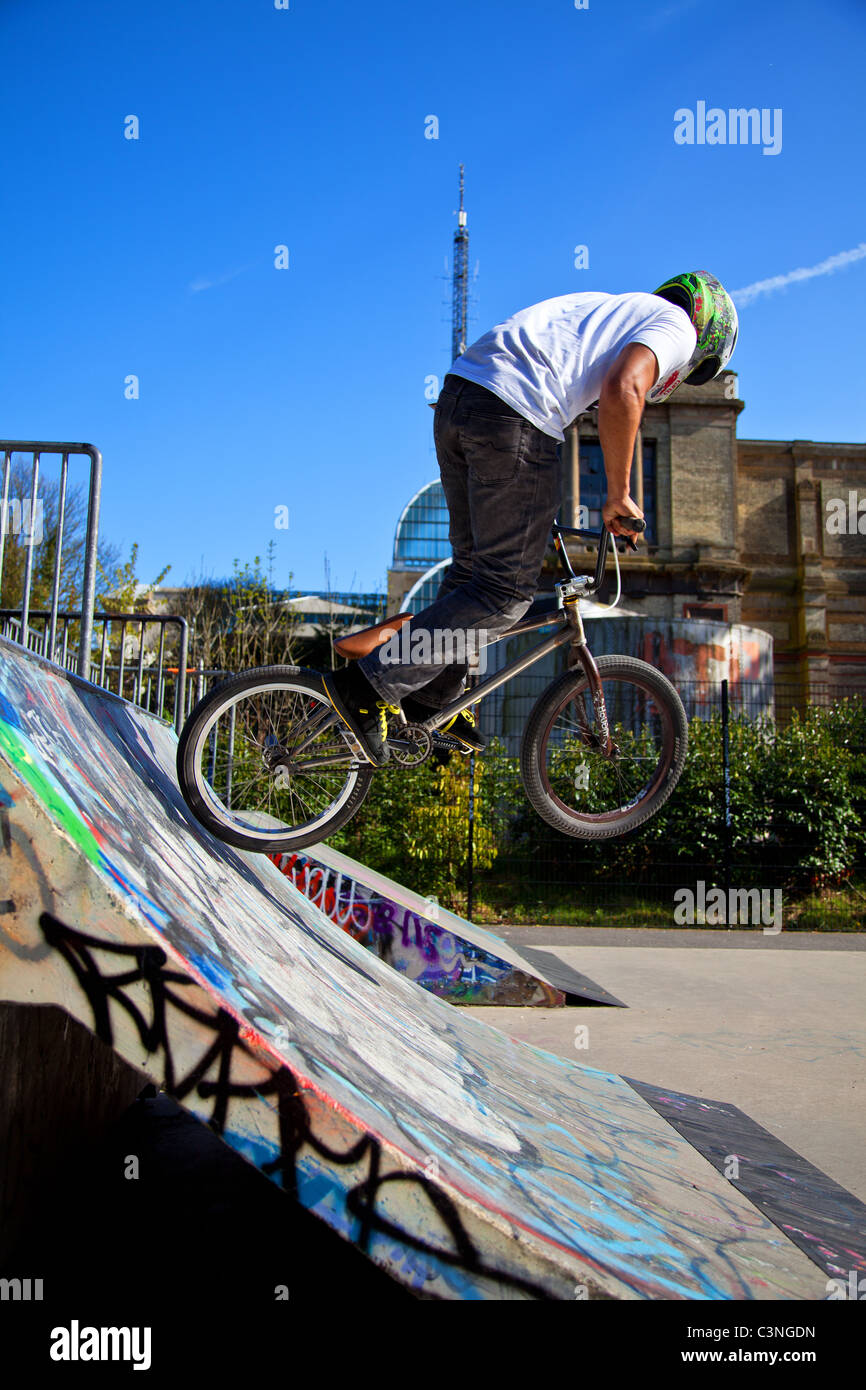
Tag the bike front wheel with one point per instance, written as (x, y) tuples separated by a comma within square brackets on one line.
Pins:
[(572, 780), (266, 764)]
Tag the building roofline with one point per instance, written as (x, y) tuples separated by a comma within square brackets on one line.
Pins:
[(786, 445)]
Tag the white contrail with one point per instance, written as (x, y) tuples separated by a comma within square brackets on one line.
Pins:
[(196, 286), (777, 282)]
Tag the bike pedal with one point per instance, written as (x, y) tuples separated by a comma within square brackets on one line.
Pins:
[(444, 744), (361, 759)]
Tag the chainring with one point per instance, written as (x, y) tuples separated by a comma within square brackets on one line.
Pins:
[(410, 744)]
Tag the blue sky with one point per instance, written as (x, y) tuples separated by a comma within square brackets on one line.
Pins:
[(304, 387)]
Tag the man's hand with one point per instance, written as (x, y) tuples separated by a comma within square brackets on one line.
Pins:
[(619, 506)]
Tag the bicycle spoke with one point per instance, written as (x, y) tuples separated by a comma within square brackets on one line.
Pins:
[(252, 748), (586, 780)]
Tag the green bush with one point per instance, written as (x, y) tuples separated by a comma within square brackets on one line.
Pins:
[(810, 787), (797, 797)]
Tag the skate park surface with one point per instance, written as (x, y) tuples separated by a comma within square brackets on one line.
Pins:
[(465, 1165), (774, 1024)]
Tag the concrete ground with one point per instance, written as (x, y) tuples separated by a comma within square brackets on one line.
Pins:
[(773, 1024)]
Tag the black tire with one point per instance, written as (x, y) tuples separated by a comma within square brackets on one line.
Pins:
[(630, 683), (226, 822)]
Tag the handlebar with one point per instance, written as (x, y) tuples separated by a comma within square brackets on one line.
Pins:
[(604, 538)]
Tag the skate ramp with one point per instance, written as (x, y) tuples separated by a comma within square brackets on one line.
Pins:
[(465, 1164), (437, 949)]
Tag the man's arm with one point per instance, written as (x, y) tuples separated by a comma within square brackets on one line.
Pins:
[(620, 407)]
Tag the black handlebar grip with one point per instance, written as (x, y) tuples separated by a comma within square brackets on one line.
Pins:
[(634, 523)]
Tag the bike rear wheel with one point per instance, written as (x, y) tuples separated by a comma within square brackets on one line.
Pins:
[(570, 779), (267, 765)]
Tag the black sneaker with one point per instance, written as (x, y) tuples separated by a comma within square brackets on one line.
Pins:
[(462, 727), (359, 707)]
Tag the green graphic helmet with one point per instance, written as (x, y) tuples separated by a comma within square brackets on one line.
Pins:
[(714, 318)]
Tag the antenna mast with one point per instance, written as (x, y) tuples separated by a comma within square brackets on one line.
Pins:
[(460, 289)]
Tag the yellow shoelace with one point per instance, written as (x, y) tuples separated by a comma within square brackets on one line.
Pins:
[(467, 715), (384, 710)]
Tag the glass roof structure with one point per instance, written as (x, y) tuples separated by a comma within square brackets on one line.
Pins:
[(421, 539), (425, 588)]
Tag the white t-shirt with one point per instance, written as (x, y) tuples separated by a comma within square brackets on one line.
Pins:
[(549, 361)]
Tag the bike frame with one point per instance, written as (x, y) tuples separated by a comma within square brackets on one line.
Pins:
[(570, 630)]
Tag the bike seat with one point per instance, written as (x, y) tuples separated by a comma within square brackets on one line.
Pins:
[(358, 644)]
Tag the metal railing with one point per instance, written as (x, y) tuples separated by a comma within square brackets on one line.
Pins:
[(131, 654), (202, 678), (33, 509), (724, 827), (125, 657)]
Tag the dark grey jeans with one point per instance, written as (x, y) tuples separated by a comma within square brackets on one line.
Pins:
[(501, 478)]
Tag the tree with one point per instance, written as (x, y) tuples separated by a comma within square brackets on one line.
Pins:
[(118, 588), (241, 622)]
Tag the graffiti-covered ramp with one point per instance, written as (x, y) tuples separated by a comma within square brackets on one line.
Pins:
[(467, 1165)]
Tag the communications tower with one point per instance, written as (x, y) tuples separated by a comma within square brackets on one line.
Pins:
[(460, 287)]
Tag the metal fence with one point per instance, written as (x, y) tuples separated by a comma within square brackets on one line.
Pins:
[(140, 656), (129, 653), (22, 520), (488, 855)]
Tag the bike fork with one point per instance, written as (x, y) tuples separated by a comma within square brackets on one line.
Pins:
[(590, 670)]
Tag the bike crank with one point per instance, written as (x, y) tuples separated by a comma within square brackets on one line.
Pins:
[(410, 745)]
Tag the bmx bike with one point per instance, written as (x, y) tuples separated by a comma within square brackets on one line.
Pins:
[(266, 763)]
